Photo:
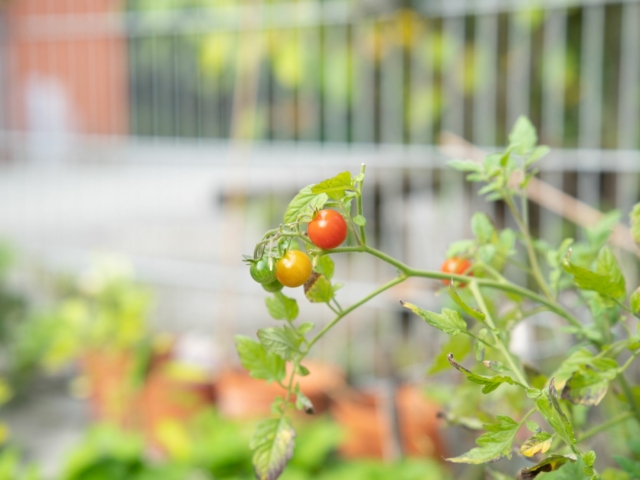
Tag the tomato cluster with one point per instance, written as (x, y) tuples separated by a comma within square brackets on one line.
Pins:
[(327, 230)]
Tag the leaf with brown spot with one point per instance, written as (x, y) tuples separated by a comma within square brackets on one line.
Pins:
[(551, 464), (318, 289), (587, 386), (272, 445), (538, 443)]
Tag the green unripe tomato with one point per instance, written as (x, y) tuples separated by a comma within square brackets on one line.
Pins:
[(273, 287), (260, 271)]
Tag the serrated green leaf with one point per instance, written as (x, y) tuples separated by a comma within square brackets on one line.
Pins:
[(318, 289), (588, 386), (281, 307), (607, 280), (482, 228), (449, 321), (272, 445), (489, 383), (600, 233), (589, 458), (550, 464), (459, 248), (465, 165), (459, 346), (325, 266), (495, 366), (635, 222), (487, 253), (538, 443), (305, 328), (533, 427), (523, 137), (303, 204), (577, 360), (334, 187), (258, 362), (493, 445), (550, 409), (608, 266), (280, 341), (360, 220), (472, 312), (537, 154)]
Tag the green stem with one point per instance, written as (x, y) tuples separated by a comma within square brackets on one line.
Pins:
[(483, 282), (628, 362), (533, 259), (363, 233), (628, 393), (625, 308), (473, 335), (351, 308), (604, 426), (475, 290)]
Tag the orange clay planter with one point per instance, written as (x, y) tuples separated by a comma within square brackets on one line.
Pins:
[(172, 393), (240, 396), (368, 426)]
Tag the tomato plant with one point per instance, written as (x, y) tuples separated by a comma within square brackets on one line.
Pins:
[(293, 269), (328, 229), (262, 272), (578, 283), (455, 265)]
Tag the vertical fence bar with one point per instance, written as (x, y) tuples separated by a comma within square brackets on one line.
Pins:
[(453, 33), (486, 72), (363, 50), (553, 92), (519, 66), (392, 76), (336, 77), (308, 99), (590, 132), (421, 102)]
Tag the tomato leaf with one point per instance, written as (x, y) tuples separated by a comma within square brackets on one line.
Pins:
[(280, 341), (318, 289), (578, 359), (537, 154), (459, 248), (334, 187), (449, 321), (325, 266), (630, 466), (465, 165), (303, 205), (550, 464), (305, 328), (260, 363), (538, 443), (550, 409), (523, 137), (634, 301), (272, 445), (608, 281), (360, 220), (281, 307), (482, 228), (493, 445), (472, 312), (588, 386), (490, 383), (303, 402)]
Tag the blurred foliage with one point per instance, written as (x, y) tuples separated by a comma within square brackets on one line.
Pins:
[(182, 80)]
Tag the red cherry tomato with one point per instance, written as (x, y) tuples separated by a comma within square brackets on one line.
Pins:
[(328, 229), (293, 269), (455, 265)]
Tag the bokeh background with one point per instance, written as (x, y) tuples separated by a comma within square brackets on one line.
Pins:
[(145, 145)]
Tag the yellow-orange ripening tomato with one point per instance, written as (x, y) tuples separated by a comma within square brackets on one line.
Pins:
[(328, 229), (293, 269), (455, 265)]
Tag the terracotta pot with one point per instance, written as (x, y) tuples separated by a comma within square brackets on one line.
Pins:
[(111, 394), (240, 396), (169, 395), (368, 426)]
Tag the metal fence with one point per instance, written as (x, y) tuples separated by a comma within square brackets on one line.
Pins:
[(136, 130)]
